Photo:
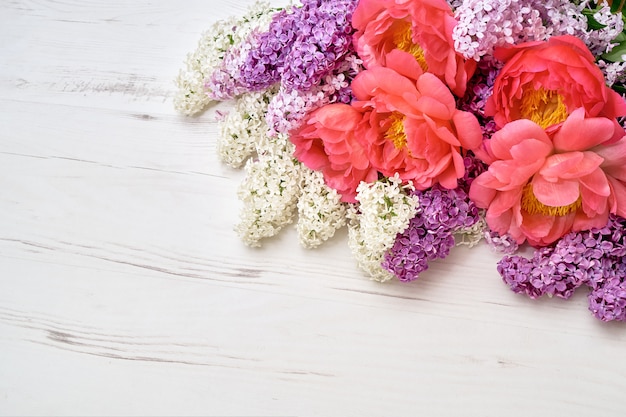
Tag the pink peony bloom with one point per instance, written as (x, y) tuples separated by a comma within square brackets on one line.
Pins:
[(326, 142), (547, 81), (544, 184), (422, 28), (411, 125)]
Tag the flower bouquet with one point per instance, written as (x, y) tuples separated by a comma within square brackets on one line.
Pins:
[(425, 124)]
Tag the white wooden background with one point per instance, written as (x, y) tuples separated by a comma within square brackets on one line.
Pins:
[(124, 290)]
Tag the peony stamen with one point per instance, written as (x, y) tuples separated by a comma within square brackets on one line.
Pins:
[(532, 205), (544, 107), (395, 132), (403, 39)]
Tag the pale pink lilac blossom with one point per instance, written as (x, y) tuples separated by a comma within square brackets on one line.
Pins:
[(614, 72), (486, 24), (601, 41)]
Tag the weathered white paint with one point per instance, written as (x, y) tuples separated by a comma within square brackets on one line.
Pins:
[(124, 290)]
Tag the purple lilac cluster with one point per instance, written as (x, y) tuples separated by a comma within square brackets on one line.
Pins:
[(302, 45), (473, 168), (594, 257), (430, 234), (288, 107), (479, 89), (325, 36)]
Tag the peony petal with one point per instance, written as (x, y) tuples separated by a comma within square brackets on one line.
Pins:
[(404, 64), (556, 165), (459, 164), (536, 143), (530, 152), (618, 197), (539, 236), (373, 81), (541, 230), (441, 131), (431, 86), (366, 12), (313, 156), (592, 203), (504, 54), (596, 182), (480, 191), (505, 200), (580, 134), (506, 223), (449, 178), (614, 156), (468, 130), (570, 165), (584, 222), (512, 175), (555, 194), (337, 116), (433, 107)]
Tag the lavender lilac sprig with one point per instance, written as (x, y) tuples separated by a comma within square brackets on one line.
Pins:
[(594, 258), (302, 45), (430, 234)]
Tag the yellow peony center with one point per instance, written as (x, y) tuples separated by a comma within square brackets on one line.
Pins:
[(395, 133), (531, 205), (544, 107), (403, 39)]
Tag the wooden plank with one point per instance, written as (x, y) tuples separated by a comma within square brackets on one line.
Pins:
[(125, 291)]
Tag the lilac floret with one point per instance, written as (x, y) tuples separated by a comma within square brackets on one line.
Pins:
[(607, 301), (594, 257), (516, 272), (302, 45), (261, 67), (430, 233), (501, 243)]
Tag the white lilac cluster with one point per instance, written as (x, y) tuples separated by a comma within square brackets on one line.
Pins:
[(191, 96), (320, 210), (486, 24), (242, 127), (270, 190), (385, 209), (277, 187)]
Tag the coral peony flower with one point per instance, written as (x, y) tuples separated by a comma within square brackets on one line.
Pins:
[(411, 125), (542, 185), (422, 28), (546, 81), (404, 122), (326, 142)]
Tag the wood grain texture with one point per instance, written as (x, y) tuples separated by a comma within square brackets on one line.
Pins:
[(125, 291)]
